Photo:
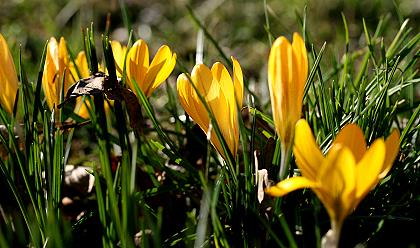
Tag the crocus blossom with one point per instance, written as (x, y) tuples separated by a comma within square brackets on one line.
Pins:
[(56, 73), (287, 73), (222, 94), (148, 76), (343, 177)]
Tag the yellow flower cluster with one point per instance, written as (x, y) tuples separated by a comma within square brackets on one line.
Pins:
[(60, 72)]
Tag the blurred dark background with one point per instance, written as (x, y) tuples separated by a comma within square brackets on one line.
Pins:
[(237, 25)]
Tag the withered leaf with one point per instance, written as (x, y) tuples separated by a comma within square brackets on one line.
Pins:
[(70, 125), (134, 109), (92, 85), (99, 84)]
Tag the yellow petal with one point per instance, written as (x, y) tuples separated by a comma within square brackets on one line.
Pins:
[(291, 184), (338, 182), (223, 85), (161, 67), (73, 71), (307, 153), (278, 75), (287, 73), (292, 88), (369, 168), (392, 144), (352, 137), (82, 66), (64, 70), (223, 79), (186, 96), (238, 81), (225, 122), (50, 74), (183, 91), (223, 105), (299, 51), (119, 51), (62, 53), (239, 93), (202, 78), (83, 108), (8, 77), (137, 64)]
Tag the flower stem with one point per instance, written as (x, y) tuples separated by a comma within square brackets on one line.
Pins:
[(332, 237), (284, 160)]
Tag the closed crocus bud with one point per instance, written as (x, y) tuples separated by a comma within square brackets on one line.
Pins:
[(148, 76), (287, 73), (55, 68), (8, 77), (222, 94)]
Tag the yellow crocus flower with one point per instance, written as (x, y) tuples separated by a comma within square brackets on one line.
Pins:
[(8, 77), (222, 95), (148, 76), (287, 73), (55, 68), (343, 177)]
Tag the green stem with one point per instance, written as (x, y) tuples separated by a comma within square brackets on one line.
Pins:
[(284, 160)]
